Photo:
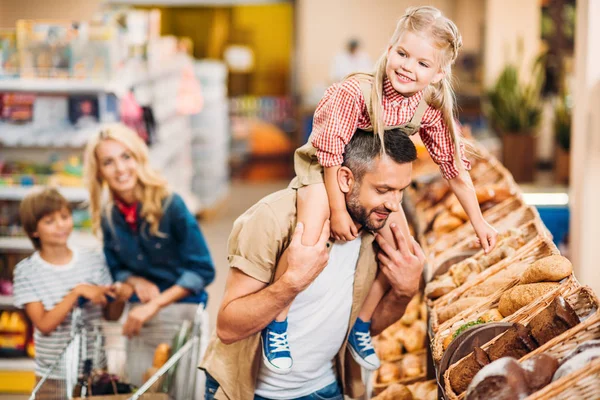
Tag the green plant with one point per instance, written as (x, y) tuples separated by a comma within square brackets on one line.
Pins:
[(562, 124), (514, 106)]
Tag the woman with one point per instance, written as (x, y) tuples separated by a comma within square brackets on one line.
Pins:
[(151, 241)]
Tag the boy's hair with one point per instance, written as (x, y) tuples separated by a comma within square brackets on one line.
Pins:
[(36, 206), (365, 147)]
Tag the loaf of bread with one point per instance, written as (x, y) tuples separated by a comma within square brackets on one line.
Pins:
[(489, 286), (440, 287), (395, 391), (578, 358), (467, 368), (458, 211), (522, 295), (500, 380), (548, 269), (462, 271), (515, 342), (449, 311), (539, 371), (555, 319), (388, 373)]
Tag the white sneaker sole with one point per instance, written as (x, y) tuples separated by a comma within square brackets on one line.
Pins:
[(270, 366), (361, 361)]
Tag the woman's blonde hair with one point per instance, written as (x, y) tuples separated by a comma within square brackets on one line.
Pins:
[(429, 22), (151, 188)]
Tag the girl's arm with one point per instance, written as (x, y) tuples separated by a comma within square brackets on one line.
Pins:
[(463, 188), (342, 225)]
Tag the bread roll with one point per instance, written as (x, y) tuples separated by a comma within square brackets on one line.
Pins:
[(388, 349), (522, 295), (415, 337), (488, 286), (424, 390), (548, 269), (388, 373), (412, 365), (578, 358), (446, 223), (461, 271), (449, 311), (412, 311), (395, 391), (447, 340), (458, 211)]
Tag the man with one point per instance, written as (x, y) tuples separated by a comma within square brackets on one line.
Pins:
[(325, 284)]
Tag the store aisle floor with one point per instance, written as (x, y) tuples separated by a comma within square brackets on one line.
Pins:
[(216, 230)]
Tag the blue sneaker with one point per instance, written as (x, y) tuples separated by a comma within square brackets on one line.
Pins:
[(361, 347), (276, 348)]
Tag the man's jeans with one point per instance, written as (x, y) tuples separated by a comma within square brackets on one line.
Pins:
[(329, 392)]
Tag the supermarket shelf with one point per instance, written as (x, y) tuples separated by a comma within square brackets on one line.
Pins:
[(6, 301), (52, 85), (23, 244), (17, 364), (74, 194), (58, 137)]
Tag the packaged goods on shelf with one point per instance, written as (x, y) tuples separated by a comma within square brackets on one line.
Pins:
[(9, 57)]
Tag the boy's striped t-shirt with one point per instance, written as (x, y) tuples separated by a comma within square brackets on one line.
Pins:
[(37, 280)]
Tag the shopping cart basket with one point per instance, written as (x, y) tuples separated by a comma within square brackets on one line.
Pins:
[(176, 379)]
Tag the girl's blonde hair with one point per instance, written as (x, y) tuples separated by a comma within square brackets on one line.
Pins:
[(151, 188), (429, 22)]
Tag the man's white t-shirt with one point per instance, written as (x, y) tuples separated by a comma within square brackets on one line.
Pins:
[(317, 325)]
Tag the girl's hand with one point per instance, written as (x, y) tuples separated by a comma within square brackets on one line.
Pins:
[(342, 226), (138, 317), (143, 288), (93, 293), (486, 235)]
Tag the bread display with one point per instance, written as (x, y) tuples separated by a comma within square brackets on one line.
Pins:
[(548, 269), (395, 391), (555, 319), (522, 295)]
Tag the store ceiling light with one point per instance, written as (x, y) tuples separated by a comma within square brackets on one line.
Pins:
[(546, 199)]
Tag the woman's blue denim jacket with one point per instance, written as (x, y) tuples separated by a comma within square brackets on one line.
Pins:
[(179, 256)]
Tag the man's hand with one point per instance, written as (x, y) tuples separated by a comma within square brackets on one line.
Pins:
[(403, 267), (144, 289), (137, 317), (93, 293), (305, 263)]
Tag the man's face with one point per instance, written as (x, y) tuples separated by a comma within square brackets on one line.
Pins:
[(371, 199)]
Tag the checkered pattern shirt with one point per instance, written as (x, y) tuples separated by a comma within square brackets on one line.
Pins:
[(342, 110)]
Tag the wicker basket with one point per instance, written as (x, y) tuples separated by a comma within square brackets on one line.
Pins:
[(581, 299)]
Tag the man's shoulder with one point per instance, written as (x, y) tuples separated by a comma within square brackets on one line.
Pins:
[(279, 206)]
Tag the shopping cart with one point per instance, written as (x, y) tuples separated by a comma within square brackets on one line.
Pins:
[(176, 379)]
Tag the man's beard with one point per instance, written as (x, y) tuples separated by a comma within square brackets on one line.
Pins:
[(360, 214)]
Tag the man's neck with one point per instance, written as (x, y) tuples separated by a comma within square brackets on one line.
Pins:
[(56, 255)]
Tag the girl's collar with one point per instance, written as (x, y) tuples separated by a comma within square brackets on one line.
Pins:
[(395, 97)]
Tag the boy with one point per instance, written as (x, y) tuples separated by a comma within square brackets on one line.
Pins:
[(49, 284)]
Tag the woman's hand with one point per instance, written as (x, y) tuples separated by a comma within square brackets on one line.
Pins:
[(487, 235), (342, 226), (138, 317), (122, 291), (143, 288)]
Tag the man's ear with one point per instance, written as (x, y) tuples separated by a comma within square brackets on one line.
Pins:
[(345, 179)]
